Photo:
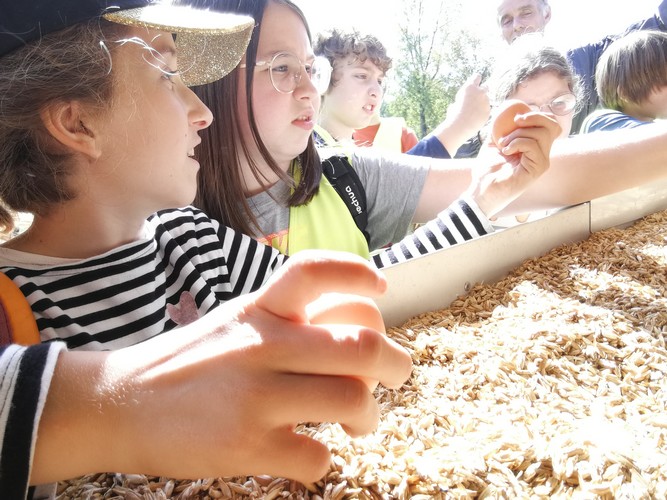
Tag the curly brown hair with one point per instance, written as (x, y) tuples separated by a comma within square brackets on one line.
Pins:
[(338, 45)]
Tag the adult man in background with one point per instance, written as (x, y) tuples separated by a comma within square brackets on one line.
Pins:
[(516, 17)]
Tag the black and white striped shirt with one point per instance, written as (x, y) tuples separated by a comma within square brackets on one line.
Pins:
[(25, 378), (461, 221), (184, 266)]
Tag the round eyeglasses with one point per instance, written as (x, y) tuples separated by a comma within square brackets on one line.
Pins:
[(286, 69), (561, 105)]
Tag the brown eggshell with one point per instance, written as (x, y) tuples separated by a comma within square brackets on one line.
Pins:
[(503, 123)]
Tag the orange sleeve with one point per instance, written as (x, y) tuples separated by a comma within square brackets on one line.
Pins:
[(17, 323), (408, 140), (364, 137)]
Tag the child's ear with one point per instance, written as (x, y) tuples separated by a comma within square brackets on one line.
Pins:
[(68, 123)]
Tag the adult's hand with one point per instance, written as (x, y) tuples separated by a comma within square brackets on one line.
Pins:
[(465, 116)]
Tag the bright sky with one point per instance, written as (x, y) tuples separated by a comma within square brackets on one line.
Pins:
[(574, 22)]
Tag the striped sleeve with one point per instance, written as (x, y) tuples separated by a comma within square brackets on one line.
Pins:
[(461, 221), (249, 262), (26, 376)]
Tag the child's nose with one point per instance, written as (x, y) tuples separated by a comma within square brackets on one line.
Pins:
[(200, 114), (305, 85)]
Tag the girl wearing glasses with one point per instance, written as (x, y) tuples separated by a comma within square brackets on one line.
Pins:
[(631, 80), (540, 76), (260, 171)]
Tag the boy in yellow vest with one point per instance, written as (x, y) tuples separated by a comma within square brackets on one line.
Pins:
[(351, 104), (389, 133)]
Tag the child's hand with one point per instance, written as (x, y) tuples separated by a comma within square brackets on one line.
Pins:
[(222, 396), (507, 168), (471, 106)]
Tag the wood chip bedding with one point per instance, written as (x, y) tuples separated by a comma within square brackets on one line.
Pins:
[(551, 383)]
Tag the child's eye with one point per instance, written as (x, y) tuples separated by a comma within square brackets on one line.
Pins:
[(360, 76), (169, 74), (283, 68), (558, 106)]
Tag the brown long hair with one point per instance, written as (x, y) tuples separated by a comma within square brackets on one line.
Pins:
[(220, 190)]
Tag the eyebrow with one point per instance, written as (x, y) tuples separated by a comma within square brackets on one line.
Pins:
[(365, 64), (504, 17), (521, 9), (371, 67)]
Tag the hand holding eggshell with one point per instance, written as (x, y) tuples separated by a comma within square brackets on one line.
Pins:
[(516, 155)]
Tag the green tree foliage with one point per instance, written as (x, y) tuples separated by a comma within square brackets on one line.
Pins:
[(437, 55)]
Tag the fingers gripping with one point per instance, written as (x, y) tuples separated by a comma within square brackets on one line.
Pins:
[(309, 274)]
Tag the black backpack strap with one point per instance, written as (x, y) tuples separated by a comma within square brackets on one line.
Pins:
[(347, 184)]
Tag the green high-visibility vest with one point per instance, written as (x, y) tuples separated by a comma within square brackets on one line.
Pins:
[(324, 223)]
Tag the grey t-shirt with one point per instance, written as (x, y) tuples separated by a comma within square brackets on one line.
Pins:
[(393, 185)]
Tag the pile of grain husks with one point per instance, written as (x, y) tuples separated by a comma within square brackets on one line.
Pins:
[(550, 383)]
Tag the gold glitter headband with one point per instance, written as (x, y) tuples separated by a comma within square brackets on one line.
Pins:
[(210, 44)]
